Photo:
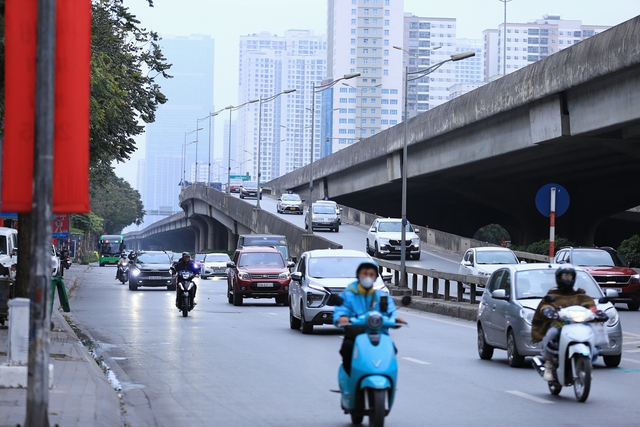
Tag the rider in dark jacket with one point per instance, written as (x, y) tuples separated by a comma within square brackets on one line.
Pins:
[(185, 263)]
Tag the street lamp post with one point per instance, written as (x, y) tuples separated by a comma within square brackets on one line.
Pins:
[(209, 167), (231, 109), (184, 157), (317, 89), (262, 101), (504, 39), (410, 76)]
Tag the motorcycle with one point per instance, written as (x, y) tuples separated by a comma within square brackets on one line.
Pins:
[(123, 272), (185, 285), (576, 350), (370, 389)]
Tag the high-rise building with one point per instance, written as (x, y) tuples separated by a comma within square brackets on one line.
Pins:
[(230, 138), (427, 41), (361, 35), (270, 64), (140, 176), (529, 42), (190, 96)]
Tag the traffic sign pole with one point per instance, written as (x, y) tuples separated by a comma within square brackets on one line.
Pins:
[(552, 224)]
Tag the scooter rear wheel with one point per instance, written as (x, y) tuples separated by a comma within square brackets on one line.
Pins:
[(582, 381), (356, 419), (377, 410)]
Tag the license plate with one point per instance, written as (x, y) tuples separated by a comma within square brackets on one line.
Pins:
[(292, 209), (156, 278), (618, 290), (265, 285)]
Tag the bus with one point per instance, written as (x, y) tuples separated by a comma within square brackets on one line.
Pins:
[(110, 249)]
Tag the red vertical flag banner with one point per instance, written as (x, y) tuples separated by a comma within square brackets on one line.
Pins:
[(72, 91)]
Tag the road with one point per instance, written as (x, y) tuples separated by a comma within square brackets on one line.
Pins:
[(353, 237), (243, 366)]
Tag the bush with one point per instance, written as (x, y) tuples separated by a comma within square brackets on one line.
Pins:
[(542, 247), (90, 257), (492, 233), (630, 250)]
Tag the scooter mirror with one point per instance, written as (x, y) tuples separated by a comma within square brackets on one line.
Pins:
[(406, 300), (335, 300), (549, 298)]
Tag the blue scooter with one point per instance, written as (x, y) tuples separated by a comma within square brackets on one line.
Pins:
[(371, 387)]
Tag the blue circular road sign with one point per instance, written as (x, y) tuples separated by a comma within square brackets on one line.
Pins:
[(543, 200)]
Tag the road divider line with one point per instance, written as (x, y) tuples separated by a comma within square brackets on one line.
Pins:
[(274, 314), (419, 362), (633, 351), (631, 360), (528, 396), (422, 316)]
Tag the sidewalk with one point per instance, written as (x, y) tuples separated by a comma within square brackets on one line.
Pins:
[(81, 394)]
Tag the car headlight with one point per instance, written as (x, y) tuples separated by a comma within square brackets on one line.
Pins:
[(614, 318), (527, 314), (245, 276), (314, 217), (283, 276), (135, 271), (635, 279), (383, 242), (317, 288)]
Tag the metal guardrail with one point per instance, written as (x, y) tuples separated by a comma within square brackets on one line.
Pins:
[(420, 284)]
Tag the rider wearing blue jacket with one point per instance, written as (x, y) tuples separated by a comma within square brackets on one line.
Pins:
[(358, 298)]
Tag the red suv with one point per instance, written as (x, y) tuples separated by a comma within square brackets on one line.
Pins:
[(258, 272), (609, 269)]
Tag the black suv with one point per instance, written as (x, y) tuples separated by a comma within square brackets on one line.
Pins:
[(152, 269)]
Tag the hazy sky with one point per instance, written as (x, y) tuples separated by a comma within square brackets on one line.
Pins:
[(226, 20)]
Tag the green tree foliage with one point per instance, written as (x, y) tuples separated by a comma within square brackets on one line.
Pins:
[(542, 247), (492, 233), (630, 250), (118, 203)]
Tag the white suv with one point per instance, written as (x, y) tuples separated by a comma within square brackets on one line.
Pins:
[(384, 238)]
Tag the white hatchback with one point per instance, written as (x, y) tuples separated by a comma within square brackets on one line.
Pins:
[(485, 260)]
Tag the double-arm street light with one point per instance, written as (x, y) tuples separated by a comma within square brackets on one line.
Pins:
[(184, 156), (317, 89), (231, 109), (209, 167), (411, 76), (262, 101)]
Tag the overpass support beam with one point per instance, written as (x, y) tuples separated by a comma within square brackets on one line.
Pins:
[(201, 231)]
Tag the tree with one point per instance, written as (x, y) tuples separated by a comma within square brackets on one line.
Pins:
[(118, 203), (492, 233), (630, 250)]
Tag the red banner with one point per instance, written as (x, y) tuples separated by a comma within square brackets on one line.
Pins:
[(60, 227), (72, 91)]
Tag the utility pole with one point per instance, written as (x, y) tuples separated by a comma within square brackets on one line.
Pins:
[(38, 378), (504, 39)]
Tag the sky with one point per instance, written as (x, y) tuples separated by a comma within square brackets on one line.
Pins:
[(227, 20)]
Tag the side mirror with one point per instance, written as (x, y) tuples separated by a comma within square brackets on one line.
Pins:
[(291, 264), (415, 230), (296, 277), (406, 300), (340, 209), (386, 277), (499, 294), (303, 200), (231, 264), (603, 300), (373, 229), (15, 252), (549, 298), (611, 293), (467, 263), (523, 262), (384, 303), (279, 200), (335, 301)]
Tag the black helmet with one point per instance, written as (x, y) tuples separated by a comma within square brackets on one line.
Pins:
[(565, 284), (368, 264), (184, 254), (132, 256)]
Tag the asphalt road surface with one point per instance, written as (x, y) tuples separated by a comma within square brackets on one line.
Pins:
[(244, 366)]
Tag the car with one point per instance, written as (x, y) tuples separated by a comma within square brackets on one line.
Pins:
[(508, 304), (290, 203), (609, 269), (55, 262), (335, 206), (250, 189), (235, 185), (319, 274), (321, 216), (215, 265), (384, 239), (485, 260), (152, 270), (258, 272), (9, 249)]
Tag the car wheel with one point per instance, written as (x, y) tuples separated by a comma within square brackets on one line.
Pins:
[(376, 252), (337, 229), (307, 328), (633, 306), (612, 361), (416, 257), (237, 299), (367, 249), (171, 287), (229, 296), (294, 322), (101, 265), (241, 196), (485, 351), (513, 357), (132, 287)]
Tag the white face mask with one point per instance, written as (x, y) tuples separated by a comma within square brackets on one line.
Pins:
[(367, 282)]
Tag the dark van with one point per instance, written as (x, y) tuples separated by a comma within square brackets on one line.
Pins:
[(279, 242)]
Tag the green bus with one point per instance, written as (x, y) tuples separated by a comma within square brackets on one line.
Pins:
[(110, 249)]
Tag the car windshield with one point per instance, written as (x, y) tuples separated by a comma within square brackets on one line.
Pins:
[(325, 210), (256, 259), (149, 258), (533, 284), (200, 257), (393, 227), (250, 184), (334, 267), (217, 258), (596, 258), (291, 198), (496, 257), (3, 245)]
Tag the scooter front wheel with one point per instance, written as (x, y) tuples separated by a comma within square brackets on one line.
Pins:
[(185, 307), (377, 410), (356, 419), (582, 377)]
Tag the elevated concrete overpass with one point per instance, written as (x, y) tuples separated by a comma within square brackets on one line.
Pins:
[(572, 118)]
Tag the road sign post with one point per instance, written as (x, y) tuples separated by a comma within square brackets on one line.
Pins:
[(552, 223), (552, 200)]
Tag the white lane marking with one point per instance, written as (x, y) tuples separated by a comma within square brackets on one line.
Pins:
[(631, 334), (404, 312), (633, 351), (631, 360), (274, 314), (528, 396), (419, 362)]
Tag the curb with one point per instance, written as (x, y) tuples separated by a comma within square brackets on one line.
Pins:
[(444, 308)]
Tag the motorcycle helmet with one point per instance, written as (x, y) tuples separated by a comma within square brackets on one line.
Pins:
[(132, 256), (368, 264), (565, 283), (123, 255), (184, 254)]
